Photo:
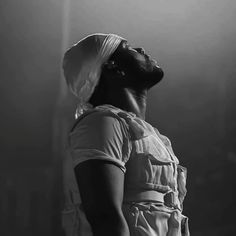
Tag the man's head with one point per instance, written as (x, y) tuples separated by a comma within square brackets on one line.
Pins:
[(134, 66), (106, 57)]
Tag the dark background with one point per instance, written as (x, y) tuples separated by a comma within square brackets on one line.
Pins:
[(194, 42)]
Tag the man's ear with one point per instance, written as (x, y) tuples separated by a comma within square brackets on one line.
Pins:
[(111, 67)]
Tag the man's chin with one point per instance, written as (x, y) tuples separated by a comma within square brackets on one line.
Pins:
[(158, 72)]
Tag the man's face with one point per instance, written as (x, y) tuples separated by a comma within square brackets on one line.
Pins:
[(139, 66)]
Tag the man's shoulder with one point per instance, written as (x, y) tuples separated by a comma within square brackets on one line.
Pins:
[(99, 116)]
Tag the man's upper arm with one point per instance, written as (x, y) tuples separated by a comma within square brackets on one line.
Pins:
[(98, 136), (96, 145)]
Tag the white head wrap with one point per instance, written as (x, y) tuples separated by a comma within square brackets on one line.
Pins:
[(83, 65)]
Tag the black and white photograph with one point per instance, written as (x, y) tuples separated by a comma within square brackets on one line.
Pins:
[(118, 118)]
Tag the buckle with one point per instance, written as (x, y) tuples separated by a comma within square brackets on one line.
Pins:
[(169, 199)]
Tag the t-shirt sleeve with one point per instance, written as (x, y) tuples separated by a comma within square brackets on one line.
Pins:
[(99, 136)]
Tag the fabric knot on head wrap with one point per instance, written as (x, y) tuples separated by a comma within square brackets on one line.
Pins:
[(82, 65)]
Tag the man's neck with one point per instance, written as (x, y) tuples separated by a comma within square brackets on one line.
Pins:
[(131, 101)]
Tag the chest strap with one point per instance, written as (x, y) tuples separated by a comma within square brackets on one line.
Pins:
[(141, 196)]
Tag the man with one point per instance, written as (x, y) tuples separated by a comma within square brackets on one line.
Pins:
[(128, 178)]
